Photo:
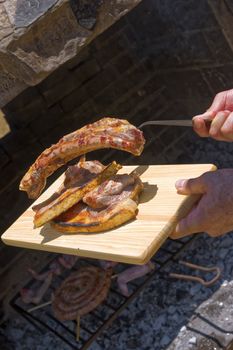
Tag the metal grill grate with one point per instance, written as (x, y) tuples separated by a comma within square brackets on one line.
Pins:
[(94, 323)]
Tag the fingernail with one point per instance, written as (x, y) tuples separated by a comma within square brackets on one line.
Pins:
[(180, 184)]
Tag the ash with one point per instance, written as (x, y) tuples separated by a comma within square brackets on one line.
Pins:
[(162, 310)]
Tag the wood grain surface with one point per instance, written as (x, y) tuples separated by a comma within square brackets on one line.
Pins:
[(135, 242)]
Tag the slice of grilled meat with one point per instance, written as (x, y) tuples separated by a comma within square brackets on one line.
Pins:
[(108, 210), (79, 180), (105, 133)]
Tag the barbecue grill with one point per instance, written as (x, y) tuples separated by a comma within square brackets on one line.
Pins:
[(93, 324)]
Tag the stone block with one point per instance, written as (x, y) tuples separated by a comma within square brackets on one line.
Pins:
[(174, 50), (54, 35), (126, 105), (5, 25), (108, 35), (62, 82), (21, 117), (10, 86), (219, 47), (147, 21), (223, 14), (86, 15), (112, 49), (84, 114), (4, 158), (104, 78), (124, 62), (211, 324), (25, 157), (24, 13), (47, 120), (53, 79), (13, 201), (25, 98), (219, 79), (16, 141), (86, 70), (185, 15), (183, 84), (39, 36), (175, 41), (54, 135), (120, 86), (82, 56), (63, 88), (191, 49), (74, 99), (9, 174)]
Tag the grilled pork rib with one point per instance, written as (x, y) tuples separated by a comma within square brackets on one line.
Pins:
[(107, 192), (88, 175), (105, 133), (112, 209)]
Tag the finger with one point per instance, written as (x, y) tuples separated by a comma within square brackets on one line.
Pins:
[(218, 233), (219, 102), (227, 127), (190, 224), (199, 123), (191, 186), (217, 123)]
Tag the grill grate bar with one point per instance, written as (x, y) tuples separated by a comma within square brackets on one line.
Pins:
[(41, 318), (35, 319)]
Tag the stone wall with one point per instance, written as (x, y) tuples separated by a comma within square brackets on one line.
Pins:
[(38, 36), (164, 59)]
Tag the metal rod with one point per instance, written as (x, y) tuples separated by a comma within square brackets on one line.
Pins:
[(42, 319), (196, 278), (167, 123), (39, 306), (78, 328)]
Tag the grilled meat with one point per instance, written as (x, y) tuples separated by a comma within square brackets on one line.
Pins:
[(88, 175), (113, 209), (105, 133), (81, 292)]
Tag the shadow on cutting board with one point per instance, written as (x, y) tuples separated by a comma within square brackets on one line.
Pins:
[(149, 190)]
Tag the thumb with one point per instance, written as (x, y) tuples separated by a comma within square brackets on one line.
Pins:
[(191, 186)]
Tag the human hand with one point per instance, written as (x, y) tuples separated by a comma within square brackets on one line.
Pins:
[(221, 114), (214, 211)]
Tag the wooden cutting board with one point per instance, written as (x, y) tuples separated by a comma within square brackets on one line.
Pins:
[(135, 242)]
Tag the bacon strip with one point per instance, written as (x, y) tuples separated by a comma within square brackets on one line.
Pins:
[(105, 133)]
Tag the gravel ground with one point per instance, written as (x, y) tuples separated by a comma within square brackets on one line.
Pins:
[(154, 319)]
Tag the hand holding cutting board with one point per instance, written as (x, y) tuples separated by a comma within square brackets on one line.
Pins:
[(214, 211)]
